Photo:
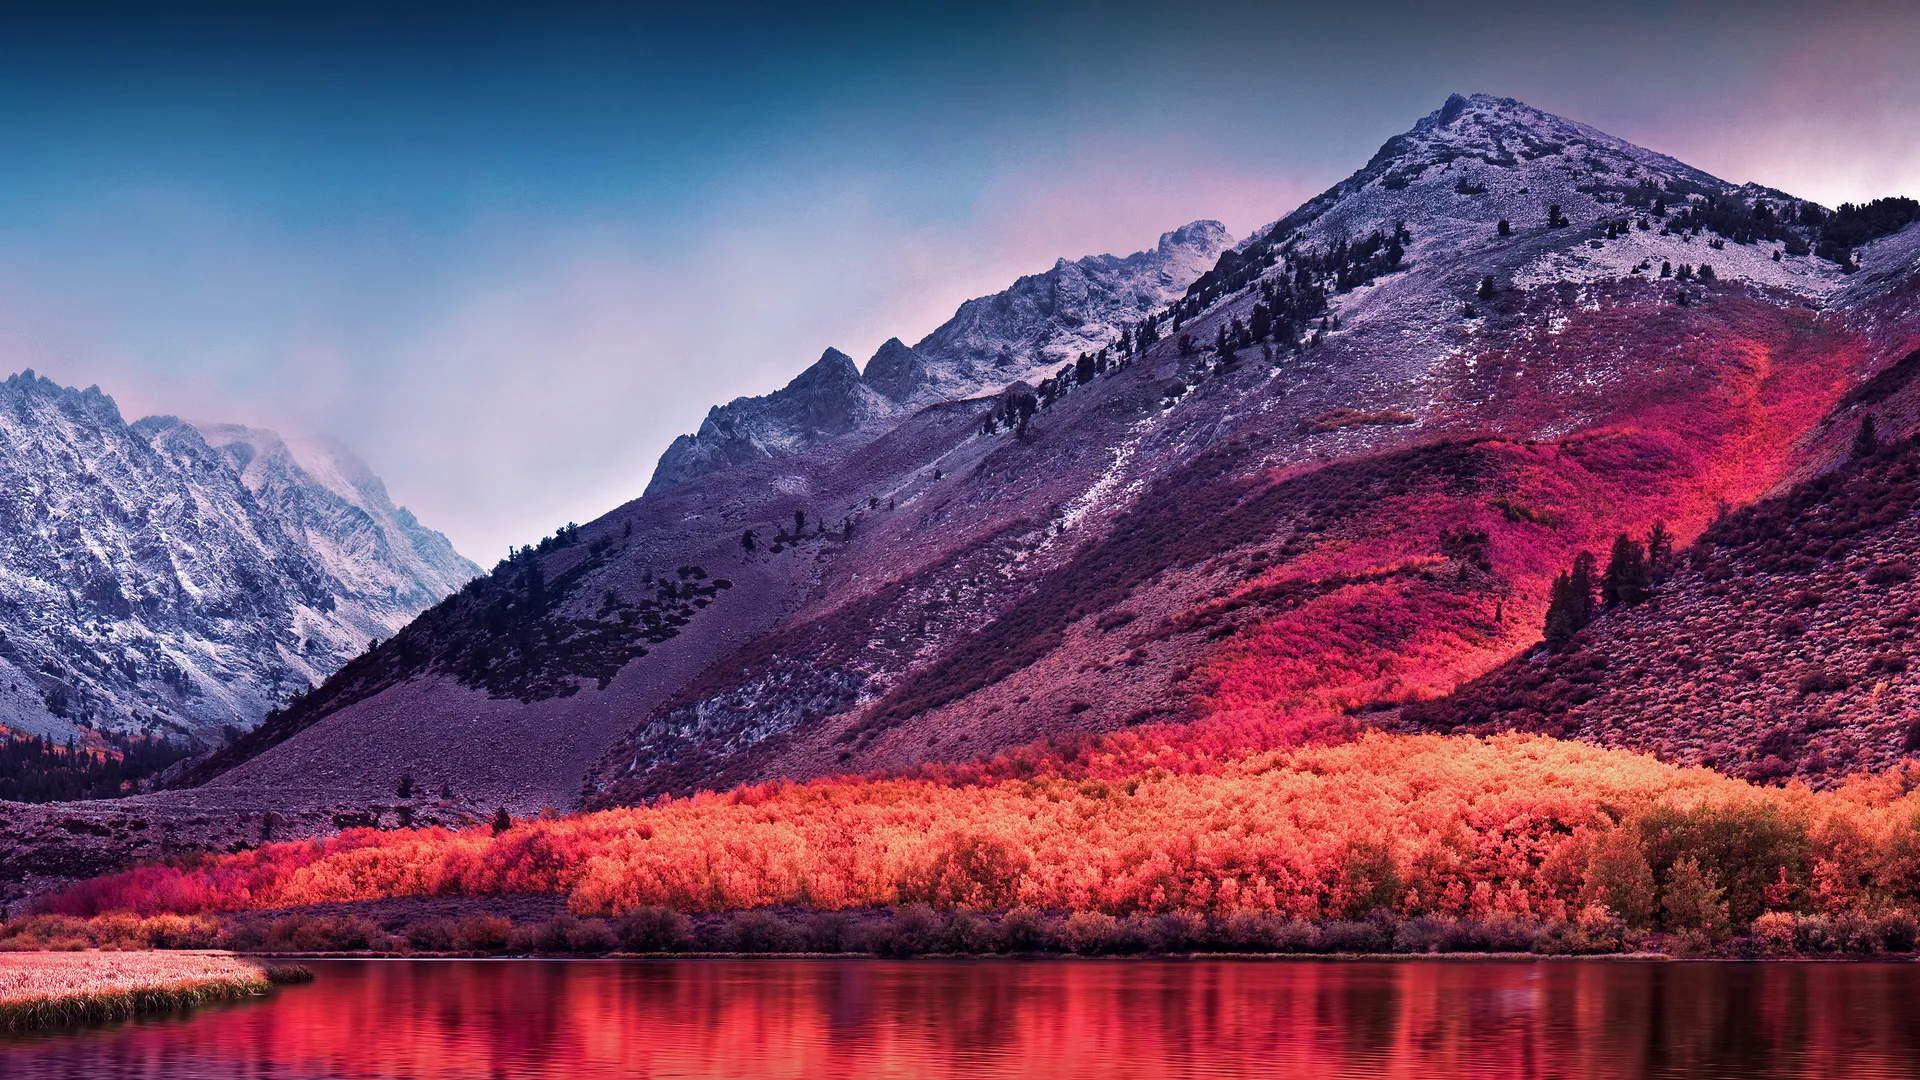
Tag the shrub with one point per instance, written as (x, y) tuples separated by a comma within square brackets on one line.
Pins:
[(432, 935), (1025, 930), (913, 930), (1898, 929), (832, 932), (969, 934), (1773, 933), (1821, 680), (567, 934), (1890, 573), (1355, 936), (1814, 934), (182, 932), (1421, 934), (245, 935), (1251, 931), (1594, 929), (757, 932), (1507, 933), (484, 933), (655, 929), (301, 932), (1179, 931), (1090, 933), (51, 933)]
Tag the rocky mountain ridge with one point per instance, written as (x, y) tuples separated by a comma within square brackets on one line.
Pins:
[(163, 578), (1025, 332)]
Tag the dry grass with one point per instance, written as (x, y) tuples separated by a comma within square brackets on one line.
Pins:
[(47, 989)]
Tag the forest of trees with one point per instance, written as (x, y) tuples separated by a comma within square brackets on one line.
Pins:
[(38, 770)]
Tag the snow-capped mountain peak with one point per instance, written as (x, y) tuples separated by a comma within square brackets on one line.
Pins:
[(162, 576)]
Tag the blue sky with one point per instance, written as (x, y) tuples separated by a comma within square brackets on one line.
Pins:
[(509, 251)]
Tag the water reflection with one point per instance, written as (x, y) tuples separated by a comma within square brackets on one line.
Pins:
[(775, 1019)]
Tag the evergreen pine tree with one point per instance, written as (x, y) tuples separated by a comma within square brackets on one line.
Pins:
[(1584, 583), (1486, 287), (1866, 442), (1562, 611), (1505, 227), (502, 821), (1627, 576), (1570, 602), (1659, 552)]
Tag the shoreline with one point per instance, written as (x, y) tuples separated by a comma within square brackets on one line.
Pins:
[(46, 990), (1135, 958), (464, 927)]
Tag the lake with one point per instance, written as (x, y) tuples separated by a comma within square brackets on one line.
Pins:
[(769, 1019)]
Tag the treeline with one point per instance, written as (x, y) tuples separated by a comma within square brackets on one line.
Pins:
[(1291, 315), (1444, 833), (34, 769), (1308, 273), (1794, 533), (922, 930)]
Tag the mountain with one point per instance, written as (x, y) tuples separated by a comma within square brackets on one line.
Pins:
[(328, 499), (1329, 480), (1023, 333), (160, 577)]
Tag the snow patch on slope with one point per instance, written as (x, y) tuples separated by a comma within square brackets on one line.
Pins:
[(1641, 253)]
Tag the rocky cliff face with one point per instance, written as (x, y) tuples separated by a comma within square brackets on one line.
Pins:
[(1024, 333), (153, 579)]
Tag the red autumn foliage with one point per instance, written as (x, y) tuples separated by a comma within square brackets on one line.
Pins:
[(1516, 826)]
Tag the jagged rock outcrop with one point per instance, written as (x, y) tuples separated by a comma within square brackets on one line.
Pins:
[(324, 495), (897, 372), (1046, 320), (826, 400), (1025, 332)]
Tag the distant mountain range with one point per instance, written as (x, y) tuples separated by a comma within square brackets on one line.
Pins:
[(1284, 488), (163, 577)]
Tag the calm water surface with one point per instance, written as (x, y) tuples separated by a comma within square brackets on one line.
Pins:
[(1217, 1019)]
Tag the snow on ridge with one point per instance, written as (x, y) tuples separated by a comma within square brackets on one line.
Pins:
[(331, 496), (1024, 332), (146, 585)]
